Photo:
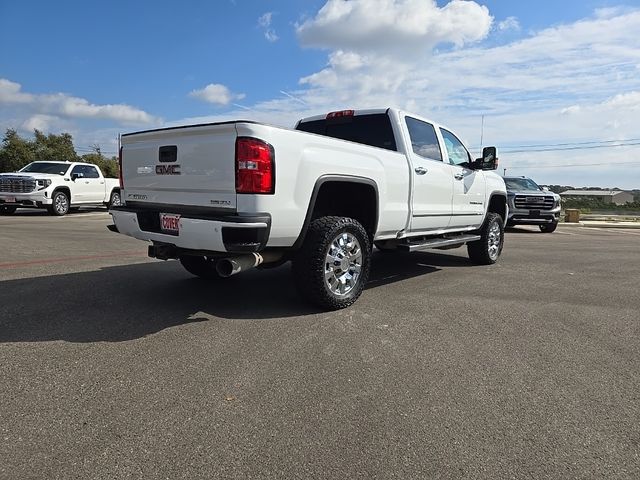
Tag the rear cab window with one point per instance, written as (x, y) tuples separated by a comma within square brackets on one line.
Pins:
[(373, 129)]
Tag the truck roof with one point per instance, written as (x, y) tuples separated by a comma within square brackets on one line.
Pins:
[(373, 111), (367, 111), (63, 162)]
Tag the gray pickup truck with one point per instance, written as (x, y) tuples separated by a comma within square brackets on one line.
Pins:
[(530, 204)]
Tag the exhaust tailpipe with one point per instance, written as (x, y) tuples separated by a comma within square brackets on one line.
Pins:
[(229, 266)]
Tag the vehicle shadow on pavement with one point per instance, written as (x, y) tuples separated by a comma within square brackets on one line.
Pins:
[(123, 303), (522, 230), (39, 212)]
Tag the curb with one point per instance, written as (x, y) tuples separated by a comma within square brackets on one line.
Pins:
[(631, 225)]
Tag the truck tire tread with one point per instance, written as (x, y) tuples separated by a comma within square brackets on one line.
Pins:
[(548, 227), (7, 209), (479, 250), (51, 209), (308, 265)]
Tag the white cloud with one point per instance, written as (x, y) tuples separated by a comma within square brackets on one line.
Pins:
[(573, 82), (10, 92), (610, 12), (509, 23), (265, 22), (570, 110), (44, 123), (66, 106), (217, 94), (630, 100), (394, 26)]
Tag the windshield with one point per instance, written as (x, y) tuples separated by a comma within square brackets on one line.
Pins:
[(47, 167), (518, 184)]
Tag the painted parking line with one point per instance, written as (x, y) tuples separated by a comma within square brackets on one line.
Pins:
[(627, 232), (612, 231)]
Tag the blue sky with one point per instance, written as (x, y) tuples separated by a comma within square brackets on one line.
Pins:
[(541, 73)]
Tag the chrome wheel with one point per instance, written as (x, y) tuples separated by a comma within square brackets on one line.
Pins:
[(115, 200), (343, 264), (61, 204), (494, 240)]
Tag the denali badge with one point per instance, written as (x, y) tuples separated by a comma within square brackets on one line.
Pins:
[(168, 169)]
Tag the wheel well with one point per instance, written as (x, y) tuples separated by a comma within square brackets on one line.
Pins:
[(62, 189), (348, 199), (498, 204)]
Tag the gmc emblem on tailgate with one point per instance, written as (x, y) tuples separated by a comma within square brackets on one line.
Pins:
[(168, 169)]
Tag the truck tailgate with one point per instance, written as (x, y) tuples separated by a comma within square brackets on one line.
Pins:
[(191, 166)]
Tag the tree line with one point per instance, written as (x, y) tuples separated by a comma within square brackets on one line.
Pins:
[(17, 152)]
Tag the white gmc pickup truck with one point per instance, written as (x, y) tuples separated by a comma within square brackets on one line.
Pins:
[(57, 186), (226, 197)]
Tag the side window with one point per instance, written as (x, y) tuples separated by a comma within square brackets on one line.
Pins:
[(423, 139), (458, 155), (91, 172), (79, 171)]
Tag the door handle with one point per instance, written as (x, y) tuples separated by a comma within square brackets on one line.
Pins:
[(420, 170), (458, 176)]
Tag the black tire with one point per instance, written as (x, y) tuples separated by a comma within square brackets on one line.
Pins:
[(485, 251), (310, 263), (548, 227), (61, 204), (203, 267), (115, 199), (7, 210)]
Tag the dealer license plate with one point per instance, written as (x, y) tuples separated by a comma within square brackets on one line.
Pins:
[(170, 223), (8, 199)]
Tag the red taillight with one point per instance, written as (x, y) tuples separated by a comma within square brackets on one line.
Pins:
[(254, 166), (341, 113), (120, 168)]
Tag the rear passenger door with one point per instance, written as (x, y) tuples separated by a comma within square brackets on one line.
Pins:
[(432, 178), (469, 186), (95, 184), (81, 188)]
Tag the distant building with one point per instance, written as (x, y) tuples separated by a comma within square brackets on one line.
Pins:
[(617, 197)]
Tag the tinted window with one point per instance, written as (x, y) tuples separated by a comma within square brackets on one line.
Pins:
[(423, 139), (90, 172), (519, 184), (46, 167), (374, 130), (85, 171), (78, 170), (458, 155)]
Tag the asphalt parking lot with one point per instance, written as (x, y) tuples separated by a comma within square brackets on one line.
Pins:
[(113, 365)]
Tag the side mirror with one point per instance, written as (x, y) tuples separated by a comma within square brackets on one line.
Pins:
[(545, 189), (75, 176), (489, 160)]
